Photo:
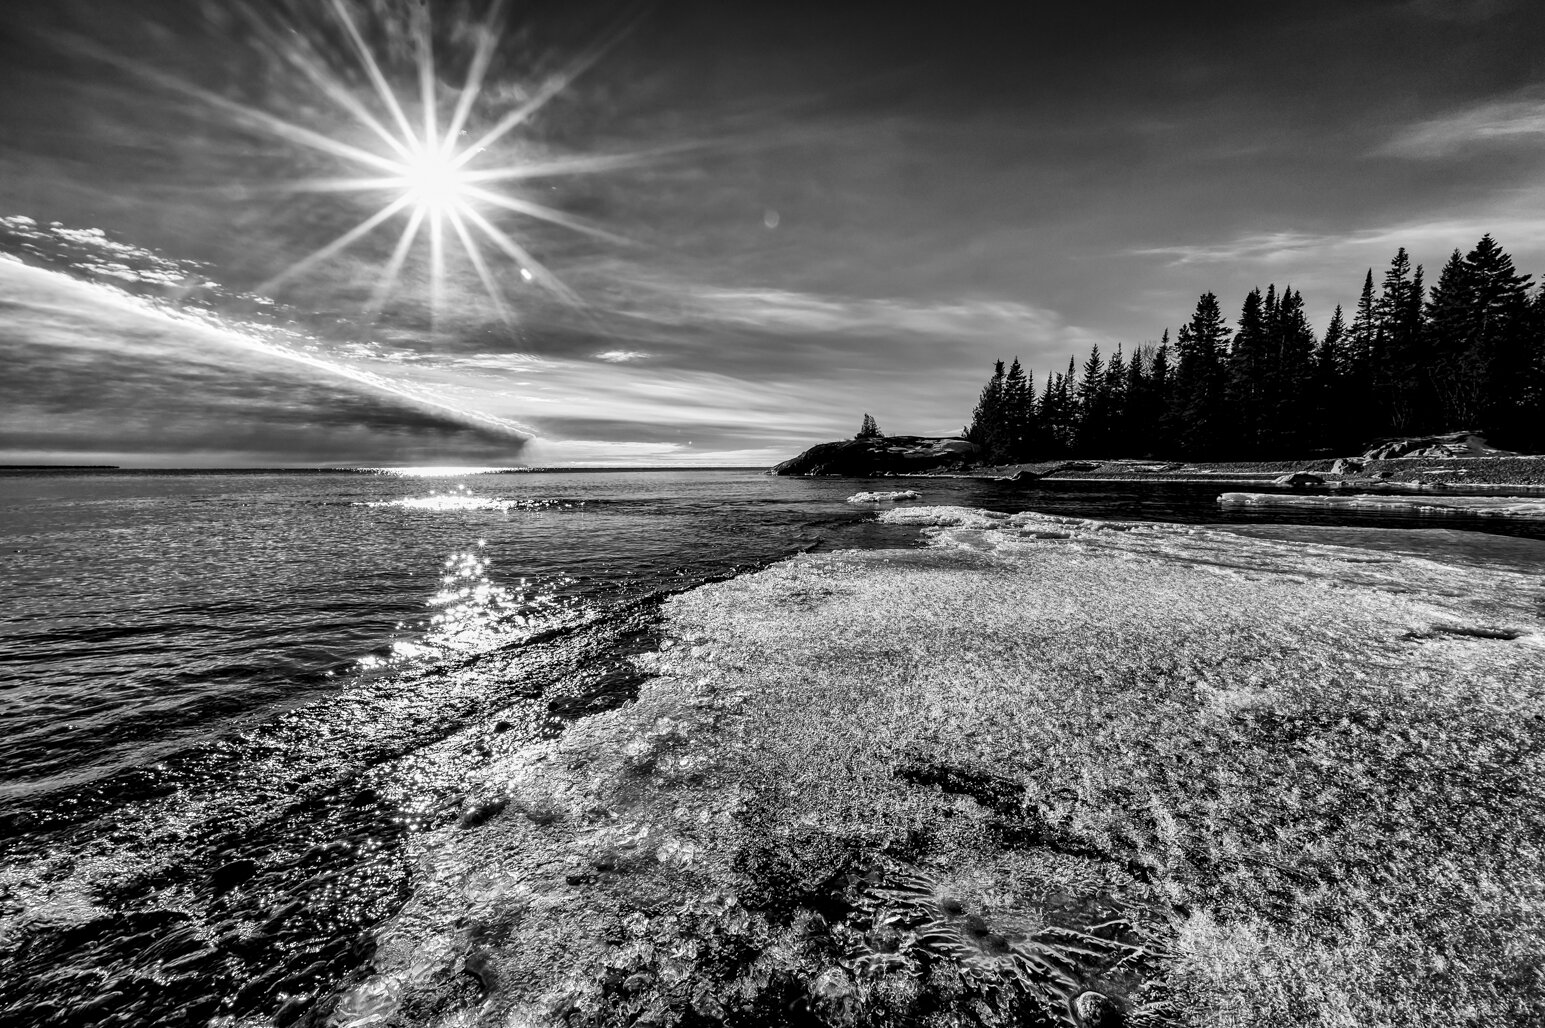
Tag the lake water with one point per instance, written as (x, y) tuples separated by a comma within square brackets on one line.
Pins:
[(215, 687)]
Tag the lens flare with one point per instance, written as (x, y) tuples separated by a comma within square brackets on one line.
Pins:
[(423, 171)]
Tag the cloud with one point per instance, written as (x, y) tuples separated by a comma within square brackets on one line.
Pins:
[(1493, 123), (1436, 236), (91, 368), (621, 356)]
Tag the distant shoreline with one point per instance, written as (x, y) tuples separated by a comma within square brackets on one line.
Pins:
[(65, 468), (1452, 476)]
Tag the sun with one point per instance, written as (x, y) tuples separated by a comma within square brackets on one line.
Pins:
[(421, 167), (432, 183)]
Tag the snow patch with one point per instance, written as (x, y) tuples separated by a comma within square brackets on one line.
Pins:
[(905, 494)]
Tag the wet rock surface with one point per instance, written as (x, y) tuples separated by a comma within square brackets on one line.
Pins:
[(982, 785), (244, 878)]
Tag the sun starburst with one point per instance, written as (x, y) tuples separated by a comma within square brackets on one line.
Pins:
[(438, 185), (431, 178)]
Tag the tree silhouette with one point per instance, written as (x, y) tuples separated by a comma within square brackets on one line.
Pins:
[(1470, 356)]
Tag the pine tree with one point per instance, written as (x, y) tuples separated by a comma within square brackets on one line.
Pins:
[(1332, 404), (1135, 428), (1115, 390), (1018, 412), (868, 429), (1496, 335), (1291, 377), (1395, 375), (1092, 413), (1247, 375), (1200, 402), (1161, 398), (986, 429), (1531, 394), (1365, 419)]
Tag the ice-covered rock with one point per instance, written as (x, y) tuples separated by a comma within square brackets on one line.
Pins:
[(1480, 506), (1348, 466), (905, 494)]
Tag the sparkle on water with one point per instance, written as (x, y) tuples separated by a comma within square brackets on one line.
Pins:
[(439, 471)]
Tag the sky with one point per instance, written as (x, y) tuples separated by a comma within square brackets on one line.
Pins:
[(705, 233)]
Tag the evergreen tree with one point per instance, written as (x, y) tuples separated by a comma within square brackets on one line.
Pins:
[(1134, 428), (1200, 401), (1394, 361), (1290, 378), (1458, 387), (1247, 374), (868, 429), (1018, 412), (986, 429), (1496, 336), (1091, 404), (1115, 391), (1531, 398), (1332, 404), (1161, 399), (1053, 416)]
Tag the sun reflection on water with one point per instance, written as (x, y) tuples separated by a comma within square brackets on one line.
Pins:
[(473, 614), (437, 471), (462, 498)]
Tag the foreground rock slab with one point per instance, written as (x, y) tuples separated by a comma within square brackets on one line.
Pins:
[(1048, 771)]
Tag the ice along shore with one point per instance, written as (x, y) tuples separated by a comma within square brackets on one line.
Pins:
[(1046, 771)]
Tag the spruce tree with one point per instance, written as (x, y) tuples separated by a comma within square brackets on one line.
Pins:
[(1135, 429), (1018, 414), (1092, 427), (1291, 377), (986, 429), (1396, 377), (1161, 398), (1115, 390), (1247, 376), (1365, 419), (1497, 336), (868, 429), (1200, 402), (1332, 403)]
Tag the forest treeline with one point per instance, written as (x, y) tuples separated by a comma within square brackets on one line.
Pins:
[(1469, 353)]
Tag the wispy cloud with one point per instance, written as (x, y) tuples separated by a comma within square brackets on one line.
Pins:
[(1496, 122), (1436, 237)]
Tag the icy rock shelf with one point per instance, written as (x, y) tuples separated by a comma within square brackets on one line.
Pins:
[(1479, 506)]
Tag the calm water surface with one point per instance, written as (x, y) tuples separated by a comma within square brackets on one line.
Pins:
[(210, 682)]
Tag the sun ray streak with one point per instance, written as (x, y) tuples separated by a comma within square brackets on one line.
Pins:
[(436, 263), (550, 89), (475, 255), (339, 185), (426, 78), (565, 166), (358, 232), (250, 116), (536, 210), (377, 77), (394, 266), (516, 251), (303, 56), (481, 58)]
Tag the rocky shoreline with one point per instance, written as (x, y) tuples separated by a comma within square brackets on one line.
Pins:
[(1047, 771), (1442, 465)]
